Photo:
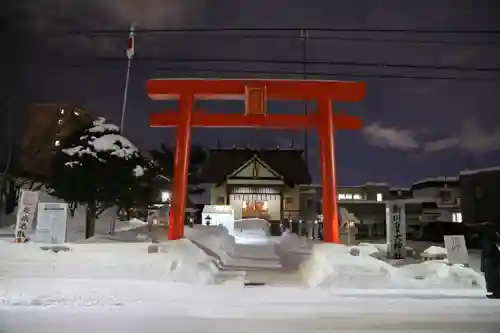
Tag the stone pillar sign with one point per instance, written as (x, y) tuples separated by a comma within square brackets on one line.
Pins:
[(396, 229)]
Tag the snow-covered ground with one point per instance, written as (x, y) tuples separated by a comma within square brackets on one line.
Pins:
[(110, 283), (126, 306)]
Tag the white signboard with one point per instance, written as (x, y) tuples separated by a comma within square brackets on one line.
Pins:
[(213, 215), (396, 229), (51, 222), (26, 208), (456, 249)]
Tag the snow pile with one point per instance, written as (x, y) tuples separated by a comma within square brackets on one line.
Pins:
[(435, 251), (378, 246), (290, 242), (338, 266), (130, 225), (333, 266), (440, 274), (368, 249), (214, 240), (382, 248), (177, 261), (292, 249), (251, 231)]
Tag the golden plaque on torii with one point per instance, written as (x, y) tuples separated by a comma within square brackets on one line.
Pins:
[(255, 100)]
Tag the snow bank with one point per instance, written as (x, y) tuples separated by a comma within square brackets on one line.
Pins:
[(177, 261), (333, 266)]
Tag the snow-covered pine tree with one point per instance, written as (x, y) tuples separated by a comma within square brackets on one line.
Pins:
[(100, 168)]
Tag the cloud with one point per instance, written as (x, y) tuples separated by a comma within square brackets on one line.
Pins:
[(441, 144), (104, 14), (378, 135), (470, 138)]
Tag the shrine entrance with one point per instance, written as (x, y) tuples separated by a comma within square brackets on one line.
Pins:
[(255, 94)]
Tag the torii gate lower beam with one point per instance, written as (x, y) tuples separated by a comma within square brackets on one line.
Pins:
[(323, 92)]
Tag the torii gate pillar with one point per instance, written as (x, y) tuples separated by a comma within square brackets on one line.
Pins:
[(256, 93)]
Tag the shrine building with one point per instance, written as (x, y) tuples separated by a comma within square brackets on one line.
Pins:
[(257, 183)]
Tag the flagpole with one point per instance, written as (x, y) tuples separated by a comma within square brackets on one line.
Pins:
[(130, 54)]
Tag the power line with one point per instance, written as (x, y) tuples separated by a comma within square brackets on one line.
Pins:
[(317, 38), (291, 62), (297, 30), (299, 74)]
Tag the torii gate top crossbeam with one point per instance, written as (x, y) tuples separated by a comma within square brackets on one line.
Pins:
[(228, 89)]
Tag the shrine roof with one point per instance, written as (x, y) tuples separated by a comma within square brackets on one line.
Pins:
[(289, 163)]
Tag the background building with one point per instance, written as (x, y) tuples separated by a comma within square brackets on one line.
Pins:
[(440, 199), (366, 202), (427, 202), (45, 126), (480, 195)]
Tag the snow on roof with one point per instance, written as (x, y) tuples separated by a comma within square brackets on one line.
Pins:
[(218, 209), (399, 189), (417, 200), (471, 172), (376, 184), (436, 179), (357, 201)]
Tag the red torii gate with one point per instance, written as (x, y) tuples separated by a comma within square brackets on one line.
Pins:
[(255, 93)]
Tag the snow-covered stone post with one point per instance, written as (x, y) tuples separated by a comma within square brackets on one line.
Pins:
[(396, 229)]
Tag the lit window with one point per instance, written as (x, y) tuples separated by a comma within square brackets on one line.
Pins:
[(60, 121), (76, 113), (57, 143), (341, 196), (62, 111), (456, 217), (379, 197), (348, 196), (357, 197)]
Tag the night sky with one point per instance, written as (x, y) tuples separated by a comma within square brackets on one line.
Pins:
[(414, 128)]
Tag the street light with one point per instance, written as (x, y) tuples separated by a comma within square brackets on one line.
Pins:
[(165, 196)]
